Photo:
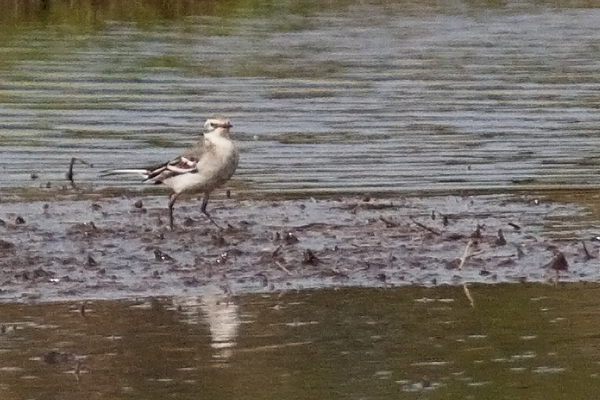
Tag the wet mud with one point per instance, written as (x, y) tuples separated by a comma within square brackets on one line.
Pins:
[(122, 247)]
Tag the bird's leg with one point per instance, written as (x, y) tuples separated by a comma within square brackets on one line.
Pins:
[(171, 204), (203, 209)]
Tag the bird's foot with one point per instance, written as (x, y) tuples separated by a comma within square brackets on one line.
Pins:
[(213, 221)]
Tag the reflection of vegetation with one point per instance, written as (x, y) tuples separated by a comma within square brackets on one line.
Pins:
[(275, 66), (7, 140), (160, 141), (292, 24), (284, 66), (312, 138), (166, 61), (96, 134), (67, 103), (93, 13), (301, 93)]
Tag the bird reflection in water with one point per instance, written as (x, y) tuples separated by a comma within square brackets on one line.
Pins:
[(221, 314)]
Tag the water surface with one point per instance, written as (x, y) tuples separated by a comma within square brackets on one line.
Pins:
[(521, 341), (353, 98)]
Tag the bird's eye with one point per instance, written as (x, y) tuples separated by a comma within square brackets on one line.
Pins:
[(213, 125)]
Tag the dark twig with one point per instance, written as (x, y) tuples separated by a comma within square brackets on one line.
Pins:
[(445, 221), (70, 174), (477, 232), (500, 240), (275, 253), (388, 222), (588, 256), (515, 226), (420, 225)]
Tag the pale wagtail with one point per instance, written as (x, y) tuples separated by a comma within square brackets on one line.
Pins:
[(200, 169)]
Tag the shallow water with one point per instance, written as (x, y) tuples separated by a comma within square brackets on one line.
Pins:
[(366, 98), (521, 341), (397, 97)]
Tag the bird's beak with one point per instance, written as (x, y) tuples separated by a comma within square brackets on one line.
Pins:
[(227, 125)]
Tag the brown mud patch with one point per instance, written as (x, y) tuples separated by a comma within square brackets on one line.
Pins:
[(122, 248)]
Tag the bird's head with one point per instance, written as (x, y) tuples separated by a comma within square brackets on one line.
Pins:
[(220, 126)]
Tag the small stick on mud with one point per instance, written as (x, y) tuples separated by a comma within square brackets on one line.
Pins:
[(465, 255), (388, 222), (420, 225), (463, 260), (588, 256), (275, 253), (284, 269), (515, 226), (69, 174)]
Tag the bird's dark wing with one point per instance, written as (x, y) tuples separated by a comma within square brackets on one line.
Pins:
[(177, 166)]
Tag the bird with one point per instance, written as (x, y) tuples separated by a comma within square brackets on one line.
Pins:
[(208, 164)]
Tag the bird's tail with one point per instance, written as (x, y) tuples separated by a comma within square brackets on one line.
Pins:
[(142, 172)]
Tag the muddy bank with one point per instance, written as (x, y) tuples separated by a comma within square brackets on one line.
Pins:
[(121, 247)]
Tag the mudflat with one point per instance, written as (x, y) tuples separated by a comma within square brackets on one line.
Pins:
[(110, 248)]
